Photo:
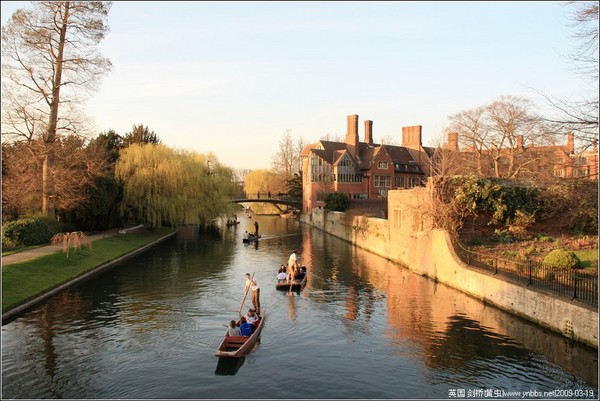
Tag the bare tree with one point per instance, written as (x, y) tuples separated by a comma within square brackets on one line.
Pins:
[(584, 21), (494, 137), (50, 61), (510, 124), (443, 208), (286, 161), (580, 116), (472, 135)]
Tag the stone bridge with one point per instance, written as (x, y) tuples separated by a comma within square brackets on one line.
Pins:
[(277, 200)]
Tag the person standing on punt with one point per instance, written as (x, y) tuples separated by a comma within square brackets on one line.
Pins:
[(292, 265), (253, 285), (256, 228)]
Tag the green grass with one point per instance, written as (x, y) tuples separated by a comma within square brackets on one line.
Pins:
[(588, 258), (24, 281)]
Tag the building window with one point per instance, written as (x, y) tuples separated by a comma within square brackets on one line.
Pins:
[(346, 172), (320, 170), (399, 182), (383, 181), (414, 182), (382, 165)]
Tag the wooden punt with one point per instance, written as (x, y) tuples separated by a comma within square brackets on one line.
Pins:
[(251, 238), (297, 284), (238, 346)]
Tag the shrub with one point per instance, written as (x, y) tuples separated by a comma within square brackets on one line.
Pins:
[(560, 258), (337, 202), (550, 275), (543, 238), (520, 222), (35, 230), (501, 236)]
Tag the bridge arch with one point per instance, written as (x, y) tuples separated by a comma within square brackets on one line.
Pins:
[(295, 203)]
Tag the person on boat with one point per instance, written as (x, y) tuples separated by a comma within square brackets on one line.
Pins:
[(282, 275), (245, 328), (253, 285), (252, 318), (293, 260), (256, 228), (233, 329), (246, 235)]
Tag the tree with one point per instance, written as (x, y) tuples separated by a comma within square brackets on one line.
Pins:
[(76, 167), (584, 20), (263, 181), (286, 161), (140, 134), (494, 135), (580, 116), (108, 144), (294, 185), (50, 59), (510, 124), (165, 186)]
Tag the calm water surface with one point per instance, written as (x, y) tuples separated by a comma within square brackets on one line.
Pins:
[(361, 328)]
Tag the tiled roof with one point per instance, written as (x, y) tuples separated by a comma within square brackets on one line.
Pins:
[(331, 152)]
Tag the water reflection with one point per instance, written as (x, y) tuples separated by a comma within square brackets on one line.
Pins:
[(448, 330), (229, 366), (149, 329)]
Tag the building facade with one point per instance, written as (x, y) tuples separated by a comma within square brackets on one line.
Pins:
[(529, 162), (363, 170)]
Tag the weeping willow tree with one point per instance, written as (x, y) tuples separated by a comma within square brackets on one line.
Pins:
[(163, 186)]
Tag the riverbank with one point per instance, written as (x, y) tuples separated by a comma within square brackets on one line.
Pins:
[(30, 278), (408, 239)]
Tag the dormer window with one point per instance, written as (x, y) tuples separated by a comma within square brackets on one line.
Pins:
[(382, 165)]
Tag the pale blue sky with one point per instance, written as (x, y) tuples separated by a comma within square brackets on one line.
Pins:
[(232, 77)]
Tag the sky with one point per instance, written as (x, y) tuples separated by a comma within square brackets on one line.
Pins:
[(232, 77)]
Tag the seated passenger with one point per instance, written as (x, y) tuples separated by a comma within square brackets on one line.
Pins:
[(245, 327), (252, 318), (233, 329), (282, 276)]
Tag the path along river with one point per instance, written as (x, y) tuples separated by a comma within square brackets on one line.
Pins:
[(362, 327)]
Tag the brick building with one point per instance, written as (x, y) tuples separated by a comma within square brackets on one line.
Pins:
[(363, 170), (537, 163)]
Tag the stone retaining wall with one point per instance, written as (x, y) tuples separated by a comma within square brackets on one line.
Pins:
[(408, 239)]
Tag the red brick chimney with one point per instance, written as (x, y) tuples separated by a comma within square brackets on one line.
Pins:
[(453, 141), (411, 137), (570, 143), (519, 141), (595, 145), (352, 134), (369, 132)]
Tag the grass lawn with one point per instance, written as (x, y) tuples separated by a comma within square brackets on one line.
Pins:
[(24, 281), (588, 258)]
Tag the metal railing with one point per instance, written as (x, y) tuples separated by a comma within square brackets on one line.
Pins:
[(572, 283)]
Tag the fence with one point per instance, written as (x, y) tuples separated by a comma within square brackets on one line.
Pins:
[(573, 283)]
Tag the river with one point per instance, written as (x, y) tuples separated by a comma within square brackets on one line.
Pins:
[(362, 327)]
